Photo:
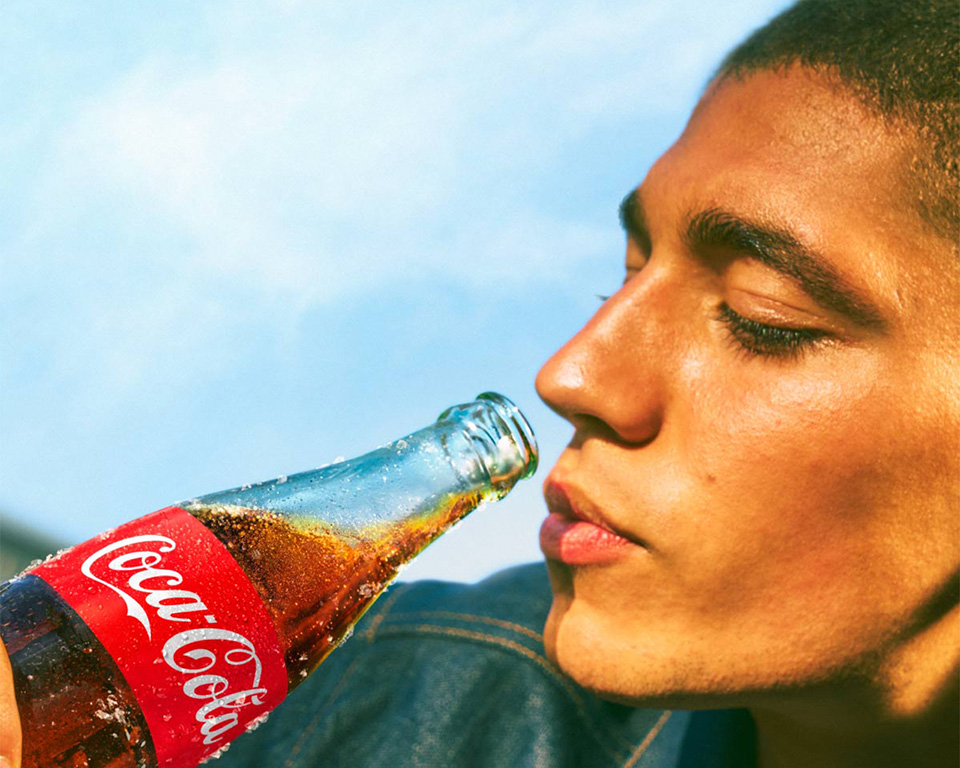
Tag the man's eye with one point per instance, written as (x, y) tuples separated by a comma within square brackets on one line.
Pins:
[(768, 340)]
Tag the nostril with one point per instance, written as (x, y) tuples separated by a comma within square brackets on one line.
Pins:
[(591, 427), (627, 435)]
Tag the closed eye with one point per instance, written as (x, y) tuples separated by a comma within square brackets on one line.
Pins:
[(764, 340)]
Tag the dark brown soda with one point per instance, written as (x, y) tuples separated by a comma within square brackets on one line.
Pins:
[(317, 579)]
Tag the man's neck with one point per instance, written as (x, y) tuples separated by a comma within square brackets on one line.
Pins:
[(909, 717), (782, 744)]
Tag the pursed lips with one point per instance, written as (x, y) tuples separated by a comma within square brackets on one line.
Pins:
[(567, 502)]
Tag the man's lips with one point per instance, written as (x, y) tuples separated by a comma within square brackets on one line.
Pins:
[(576, 537), (576, 542)]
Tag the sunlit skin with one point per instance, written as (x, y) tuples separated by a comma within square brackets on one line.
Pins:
[(791, 498)]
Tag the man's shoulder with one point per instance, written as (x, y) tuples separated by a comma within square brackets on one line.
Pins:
[(511, 605), (448, 674)]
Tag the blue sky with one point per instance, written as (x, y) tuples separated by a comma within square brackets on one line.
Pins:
[(239, 240)]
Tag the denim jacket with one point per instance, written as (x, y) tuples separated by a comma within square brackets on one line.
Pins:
[(442, 675)]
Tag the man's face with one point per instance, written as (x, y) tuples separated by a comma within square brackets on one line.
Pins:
[(767, 412)]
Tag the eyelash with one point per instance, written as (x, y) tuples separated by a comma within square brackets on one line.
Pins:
[(763, 340)]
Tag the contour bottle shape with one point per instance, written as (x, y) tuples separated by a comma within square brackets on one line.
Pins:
[(157, 643)]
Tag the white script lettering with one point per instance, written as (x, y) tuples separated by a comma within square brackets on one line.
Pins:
[(214, 687), (132, 561)]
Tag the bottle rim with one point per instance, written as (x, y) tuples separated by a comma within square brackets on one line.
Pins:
[(520, 427)]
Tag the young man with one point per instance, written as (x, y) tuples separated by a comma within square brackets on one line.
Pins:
[(757, 518), (767, 413)]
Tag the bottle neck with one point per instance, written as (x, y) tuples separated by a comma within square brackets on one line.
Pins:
[(477, 451)]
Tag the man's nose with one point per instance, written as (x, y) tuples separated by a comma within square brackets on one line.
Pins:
[(611, 374)]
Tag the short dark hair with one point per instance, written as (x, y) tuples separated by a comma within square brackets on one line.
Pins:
[(900, 57)]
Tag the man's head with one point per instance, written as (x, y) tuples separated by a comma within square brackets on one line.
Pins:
[(768, 411)]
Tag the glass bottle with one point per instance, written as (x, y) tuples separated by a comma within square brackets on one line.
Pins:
[(157, 643)]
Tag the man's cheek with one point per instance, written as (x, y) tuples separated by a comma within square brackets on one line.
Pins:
[(780, 477), (767, 434)]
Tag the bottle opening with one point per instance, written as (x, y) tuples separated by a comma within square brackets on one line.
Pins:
[(520, 429), (501, 436)]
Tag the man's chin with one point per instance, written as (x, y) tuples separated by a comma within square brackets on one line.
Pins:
[(634, 678), (581, 657)]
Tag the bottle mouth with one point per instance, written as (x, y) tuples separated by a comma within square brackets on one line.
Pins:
[(520, 430), (501, 435)]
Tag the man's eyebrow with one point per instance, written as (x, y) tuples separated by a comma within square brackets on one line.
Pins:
[(782, 251), (634, 222)]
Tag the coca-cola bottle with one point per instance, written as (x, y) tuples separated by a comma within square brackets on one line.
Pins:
[(157, 643)]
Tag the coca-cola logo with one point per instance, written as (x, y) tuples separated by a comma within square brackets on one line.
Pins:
[(219, 714), (142, 576), (131, 568)]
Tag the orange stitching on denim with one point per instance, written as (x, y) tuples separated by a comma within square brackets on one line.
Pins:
[(544, 663), (388, 602), (311, 726), (472, 617), (648, 740)]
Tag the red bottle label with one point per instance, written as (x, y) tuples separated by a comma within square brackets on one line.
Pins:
[(184, 625)]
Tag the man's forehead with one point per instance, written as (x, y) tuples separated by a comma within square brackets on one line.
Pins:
[(787, 148), (793, 149), (796, 113)]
